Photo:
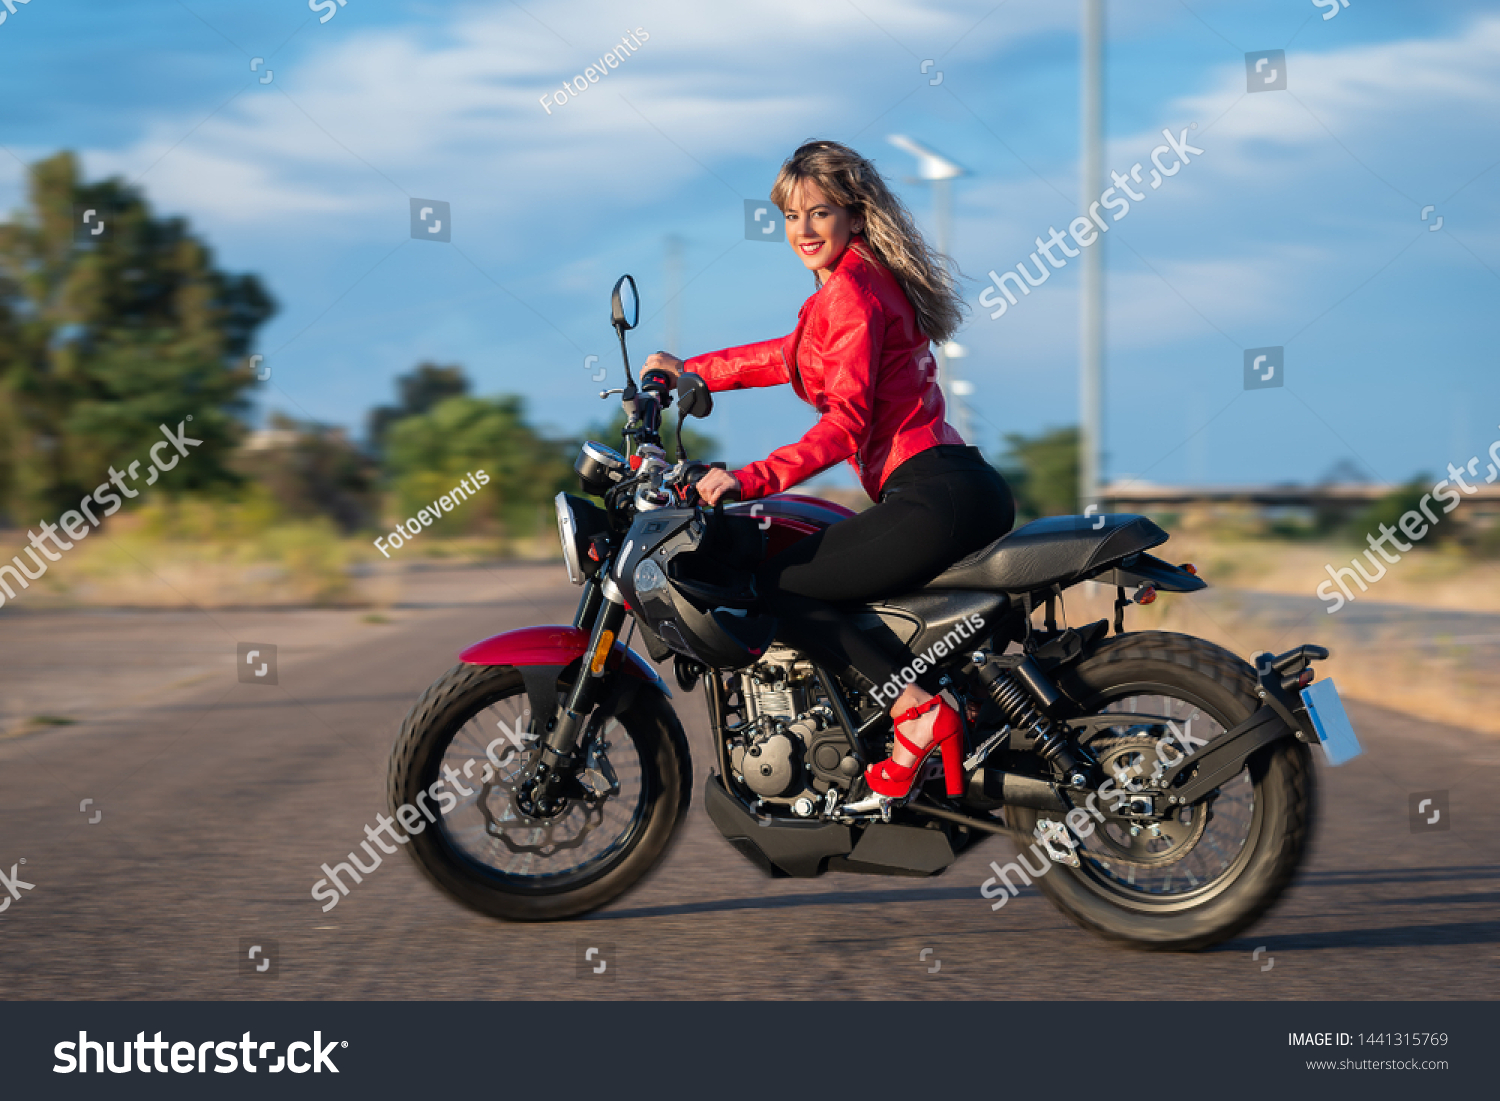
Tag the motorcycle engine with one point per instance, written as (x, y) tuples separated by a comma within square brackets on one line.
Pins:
[(792, 749)]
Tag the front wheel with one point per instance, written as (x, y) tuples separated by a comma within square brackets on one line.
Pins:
[(1197, 875), (461, 760)]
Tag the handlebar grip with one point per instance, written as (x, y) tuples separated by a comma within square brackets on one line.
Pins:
[(660, 383)]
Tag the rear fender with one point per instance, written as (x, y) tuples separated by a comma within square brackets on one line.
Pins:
[(1147, 569), (540, 654)]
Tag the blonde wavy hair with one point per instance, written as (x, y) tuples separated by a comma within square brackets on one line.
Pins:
[(848, 180)]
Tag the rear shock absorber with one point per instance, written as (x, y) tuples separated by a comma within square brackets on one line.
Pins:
[(1016, 691)]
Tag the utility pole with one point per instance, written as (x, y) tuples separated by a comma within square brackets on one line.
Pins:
[(1091, 302), (672, 272)]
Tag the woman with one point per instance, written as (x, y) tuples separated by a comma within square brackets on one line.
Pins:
[(861, 356)]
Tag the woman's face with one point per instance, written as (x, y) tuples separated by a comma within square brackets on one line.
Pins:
[(817, 230)]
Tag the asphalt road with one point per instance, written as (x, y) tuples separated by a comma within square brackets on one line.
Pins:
[(217, 801)]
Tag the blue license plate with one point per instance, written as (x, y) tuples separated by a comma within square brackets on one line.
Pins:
[(1335, 732)]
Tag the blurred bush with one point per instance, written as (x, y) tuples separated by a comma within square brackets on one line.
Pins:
[(1043, 472), (312, 470)]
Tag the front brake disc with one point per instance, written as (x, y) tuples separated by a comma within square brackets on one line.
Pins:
[(548, 835)]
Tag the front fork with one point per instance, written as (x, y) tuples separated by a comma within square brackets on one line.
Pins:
[(543, 794)]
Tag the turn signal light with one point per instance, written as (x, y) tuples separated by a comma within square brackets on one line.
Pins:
[(601, 652), (1188, 567), (1146, 594)]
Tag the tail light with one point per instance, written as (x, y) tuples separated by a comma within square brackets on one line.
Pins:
[(1298, 681)]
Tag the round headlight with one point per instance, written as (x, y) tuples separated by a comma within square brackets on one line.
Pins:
[(567, 531)]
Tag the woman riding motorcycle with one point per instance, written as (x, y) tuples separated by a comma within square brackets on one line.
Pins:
[(861, 356)]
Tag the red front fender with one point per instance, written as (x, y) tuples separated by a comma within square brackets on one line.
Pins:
[(554, 645)]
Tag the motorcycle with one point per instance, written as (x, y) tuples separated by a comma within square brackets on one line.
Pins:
[(1164, 786)]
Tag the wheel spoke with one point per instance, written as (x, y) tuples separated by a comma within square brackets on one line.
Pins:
[(490, 829), (1177, 855)]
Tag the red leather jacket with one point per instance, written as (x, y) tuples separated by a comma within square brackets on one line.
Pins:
[(858, 358)]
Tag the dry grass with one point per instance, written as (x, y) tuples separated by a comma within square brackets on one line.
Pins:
[(1435, 679), (1438, 578), (216, 554)]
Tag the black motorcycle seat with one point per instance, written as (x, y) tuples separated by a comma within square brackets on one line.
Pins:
[(1055, 550)]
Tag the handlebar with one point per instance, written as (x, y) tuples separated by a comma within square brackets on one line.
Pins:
[(661, 383)]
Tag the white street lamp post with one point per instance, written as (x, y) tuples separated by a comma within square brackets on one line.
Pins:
[(938, 170)]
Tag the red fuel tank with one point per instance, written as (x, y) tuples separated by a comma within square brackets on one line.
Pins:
[(789, 517)]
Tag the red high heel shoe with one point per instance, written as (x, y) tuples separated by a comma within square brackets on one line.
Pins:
[(895, 781)]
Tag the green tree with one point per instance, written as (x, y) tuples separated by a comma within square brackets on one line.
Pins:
[(103, 339), (1043, 472), (428, 454), (1389, 509), (419, 391)]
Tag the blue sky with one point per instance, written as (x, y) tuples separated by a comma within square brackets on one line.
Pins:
[(1299, 226)]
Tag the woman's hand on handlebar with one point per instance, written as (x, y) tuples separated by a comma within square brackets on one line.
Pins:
[(716, 484), (664, 361)]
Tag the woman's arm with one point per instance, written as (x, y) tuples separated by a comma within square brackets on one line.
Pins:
[(750, 365), (848, 347)]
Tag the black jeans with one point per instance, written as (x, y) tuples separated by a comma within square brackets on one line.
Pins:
[(935, 508)]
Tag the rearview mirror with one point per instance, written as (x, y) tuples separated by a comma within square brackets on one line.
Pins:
[(693, 396), (625, 304)]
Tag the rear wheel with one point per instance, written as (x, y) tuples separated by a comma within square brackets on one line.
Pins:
[(1200, 874), (462, 758)]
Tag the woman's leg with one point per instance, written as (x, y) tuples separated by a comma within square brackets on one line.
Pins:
[(894, 547)]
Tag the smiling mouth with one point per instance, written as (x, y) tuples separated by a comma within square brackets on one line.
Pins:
[(810, 247)]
